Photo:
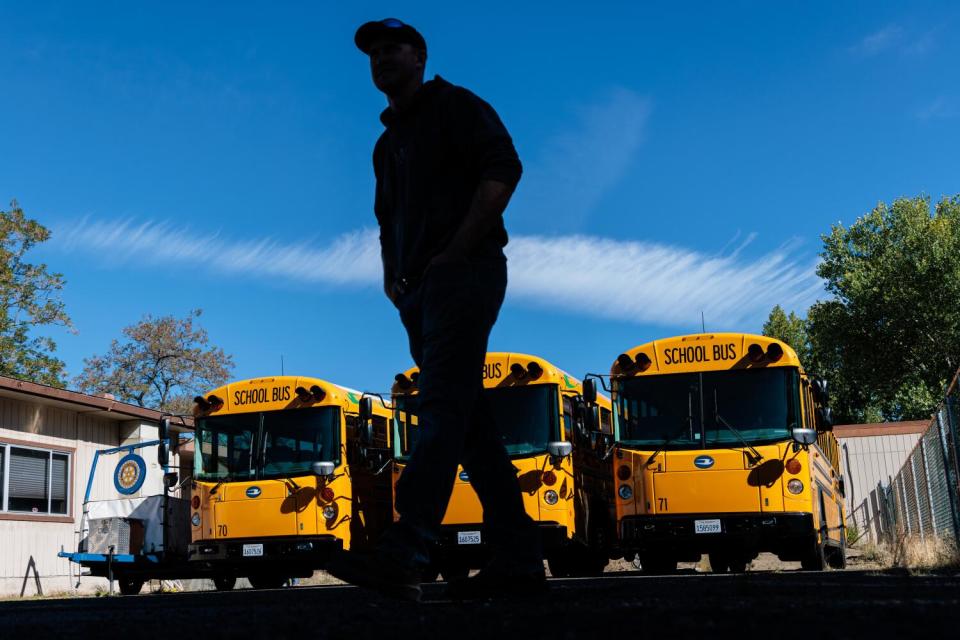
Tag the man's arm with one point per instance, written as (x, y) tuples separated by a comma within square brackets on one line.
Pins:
[(489, 202)]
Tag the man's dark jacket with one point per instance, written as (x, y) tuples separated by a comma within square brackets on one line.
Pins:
[(428, 164)]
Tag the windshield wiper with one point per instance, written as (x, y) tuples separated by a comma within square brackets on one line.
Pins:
[(217, 486), (754, 456)]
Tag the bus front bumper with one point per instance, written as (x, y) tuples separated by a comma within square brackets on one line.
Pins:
[(780, 533), (304, 552)]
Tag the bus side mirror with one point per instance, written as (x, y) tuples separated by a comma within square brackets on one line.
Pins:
[(163, 453), (366, 408), (170, 479), (323, 469), (590, 391), (825, 419), (559, 449), (805, 437)]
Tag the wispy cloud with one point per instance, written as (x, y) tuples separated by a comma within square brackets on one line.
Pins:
[(878, 41), (897, 39), (623, 280), (578, 166), (938, 109)]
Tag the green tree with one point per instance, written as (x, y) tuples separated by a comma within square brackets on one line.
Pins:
[(161, 363), (29, 298), (792, 329), (889, 340)]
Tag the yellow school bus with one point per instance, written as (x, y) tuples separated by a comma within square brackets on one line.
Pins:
[(533, 403), (722, 445), (284, 476)]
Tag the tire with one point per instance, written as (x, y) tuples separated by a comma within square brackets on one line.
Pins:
[(267, 581), (657, 566), (738, 566), (451, 573), (559, 566), (815, 558), (225, 583), (719, 563), (129, 586), (838, 555)]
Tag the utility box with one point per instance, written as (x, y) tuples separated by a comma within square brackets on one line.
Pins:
[(124, 535)]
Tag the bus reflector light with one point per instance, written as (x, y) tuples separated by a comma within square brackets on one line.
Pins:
[(195, 502), (623, 472), (534, 370), (755, 352), (550, 497), (403, 382), (625, 492), (795, 486), (195, 520), (549, 478), (330, 511), (201, 405), (774, 352), (518, 371), (317, 393), (626, 364), (327, 494), (793, 466), (216, 402), (303, 395)]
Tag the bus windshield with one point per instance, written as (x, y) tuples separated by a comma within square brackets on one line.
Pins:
[(695, 410), (249, 446), (526, 417)]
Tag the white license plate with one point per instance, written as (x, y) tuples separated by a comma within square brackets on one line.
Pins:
[(706, 526), (252, 550), (468, 537)]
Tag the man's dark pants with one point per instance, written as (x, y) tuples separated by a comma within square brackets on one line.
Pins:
[(448, 319)]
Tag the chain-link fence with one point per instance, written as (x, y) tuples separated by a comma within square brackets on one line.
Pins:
[(923, 499)]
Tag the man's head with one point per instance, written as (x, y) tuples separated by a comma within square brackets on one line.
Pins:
[(398, 54)]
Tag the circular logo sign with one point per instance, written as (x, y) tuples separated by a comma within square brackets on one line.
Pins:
[(465, 476), (130, 473), (253, 492), (703, 462)]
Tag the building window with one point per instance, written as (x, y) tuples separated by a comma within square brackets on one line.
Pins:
[(34, 480)]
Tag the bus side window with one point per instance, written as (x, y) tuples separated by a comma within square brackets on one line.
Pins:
[(567, 417), (380, 438), (606, 421)]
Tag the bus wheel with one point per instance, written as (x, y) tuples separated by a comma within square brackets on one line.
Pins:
[(225, 583), (838, 556), (738, 566), (560, 566), (719, 563), (267, 581), (656, 566), (814, 560), (129, 586), (453, 572)]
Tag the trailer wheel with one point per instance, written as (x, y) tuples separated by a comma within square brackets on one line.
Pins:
[(129, 586), (225, 583)]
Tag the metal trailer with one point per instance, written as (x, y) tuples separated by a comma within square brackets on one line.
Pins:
[(139, 539)]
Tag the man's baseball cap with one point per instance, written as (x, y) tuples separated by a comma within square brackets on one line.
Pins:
[(387, 29)]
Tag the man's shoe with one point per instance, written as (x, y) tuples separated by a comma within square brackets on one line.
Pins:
[(498, 584), (377, 572)]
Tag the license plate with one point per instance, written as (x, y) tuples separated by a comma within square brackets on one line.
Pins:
[(252, 550), (468, 537), (706, 526)]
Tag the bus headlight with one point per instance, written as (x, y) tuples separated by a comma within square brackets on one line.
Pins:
[(550, 497), (330, 511), (625, 492), (195, 519), (795, 486)]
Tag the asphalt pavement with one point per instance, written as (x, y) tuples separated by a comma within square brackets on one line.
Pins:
[(796, 605)]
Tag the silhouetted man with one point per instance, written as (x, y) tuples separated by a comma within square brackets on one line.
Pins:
[(445, 168)]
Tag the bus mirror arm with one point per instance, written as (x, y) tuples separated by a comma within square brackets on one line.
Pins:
[(383, 468)]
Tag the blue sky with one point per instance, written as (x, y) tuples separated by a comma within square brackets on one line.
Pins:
[(677, 159)]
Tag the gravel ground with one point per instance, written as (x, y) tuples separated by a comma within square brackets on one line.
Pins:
[(837, 604)]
